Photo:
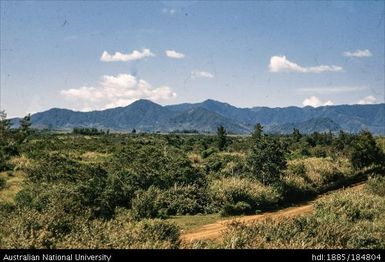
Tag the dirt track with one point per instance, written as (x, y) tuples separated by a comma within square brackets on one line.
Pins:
[(214, 231)]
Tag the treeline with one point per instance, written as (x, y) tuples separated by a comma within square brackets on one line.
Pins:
[(12, 139), (89, 131)]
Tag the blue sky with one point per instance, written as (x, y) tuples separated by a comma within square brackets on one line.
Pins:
[(251, 53)]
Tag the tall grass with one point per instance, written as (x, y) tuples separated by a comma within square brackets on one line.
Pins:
[(236, 195), (349, 219)]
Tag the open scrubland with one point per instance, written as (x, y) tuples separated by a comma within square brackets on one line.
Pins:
[(99, 190)]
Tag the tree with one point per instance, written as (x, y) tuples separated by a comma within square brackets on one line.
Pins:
[(258, 132), (221, 138), (365, 151), (5, 126), (133, 131), (296, 135), (7, 145), (266, 159), (343, 141), (24, 129)]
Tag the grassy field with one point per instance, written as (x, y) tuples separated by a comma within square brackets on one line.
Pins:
[(14, 183)]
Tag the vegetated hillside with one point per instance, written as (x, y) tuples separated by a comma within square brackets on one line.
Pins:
[(147, 116), (309, 126), (204, 120)]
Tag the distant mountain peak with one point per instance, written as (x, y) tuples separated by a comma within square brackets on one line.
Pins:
[(143, 102), (215, 102), (209, 100)]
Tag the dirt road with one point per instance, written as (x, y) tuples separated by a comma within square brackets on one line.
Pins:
[(214, 231)]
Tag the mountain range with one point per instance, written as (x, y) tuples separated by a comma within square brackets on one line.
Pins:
[(147, 116)]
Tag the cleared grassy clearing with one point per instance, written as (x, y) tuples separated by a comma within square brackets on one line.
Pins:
[(14, 183)]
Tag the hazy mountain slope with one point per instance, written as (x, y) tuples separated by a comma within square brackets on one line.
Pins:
[(309, 126), (145, 115), (204, 120)]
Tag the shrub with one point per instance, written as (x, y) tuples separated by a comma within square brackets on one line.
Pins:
[(91, 193), (120, 188), (3, 183), (146, 204), (53, 167), (298, 169), (30, 228), (350, 207), (54, 228), (162, 168), (184, 200), (239, 208), (122, 232), (208, 152), (213, 163), (376, 185), (232, 194), (154, 232), (365, 151)]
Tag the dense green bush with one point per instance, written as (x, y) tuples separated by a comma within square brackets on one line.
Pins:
[(234, 196), (54, 228), (306, 177), (184, 200), (160, 167), (366, 152), (52, 167), (88, 131), (226, 164), (31, 228), (122, 232), (146, 204), (207, 152), (267, 160), (158, 231)]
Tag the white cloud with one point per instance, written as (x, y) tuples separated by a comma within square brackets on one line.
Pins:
[(332, 89), (114, 91), (134, 55), (201, 74), (316, 102), (169, 11), (174, 54), (281, 64), (367, 100), (358, 53)]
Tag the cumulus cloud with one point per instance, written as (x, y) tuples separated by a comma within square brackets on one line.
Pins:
[(114, 91), (174, 54), (134, 55), (367, 100), (201, 74), (282, 64), (358, 53), (316, 102), (327, 90), (169, 11)]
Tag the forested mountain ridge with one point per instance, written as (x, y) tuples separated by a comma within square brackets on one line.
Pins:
[(147, 116)]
